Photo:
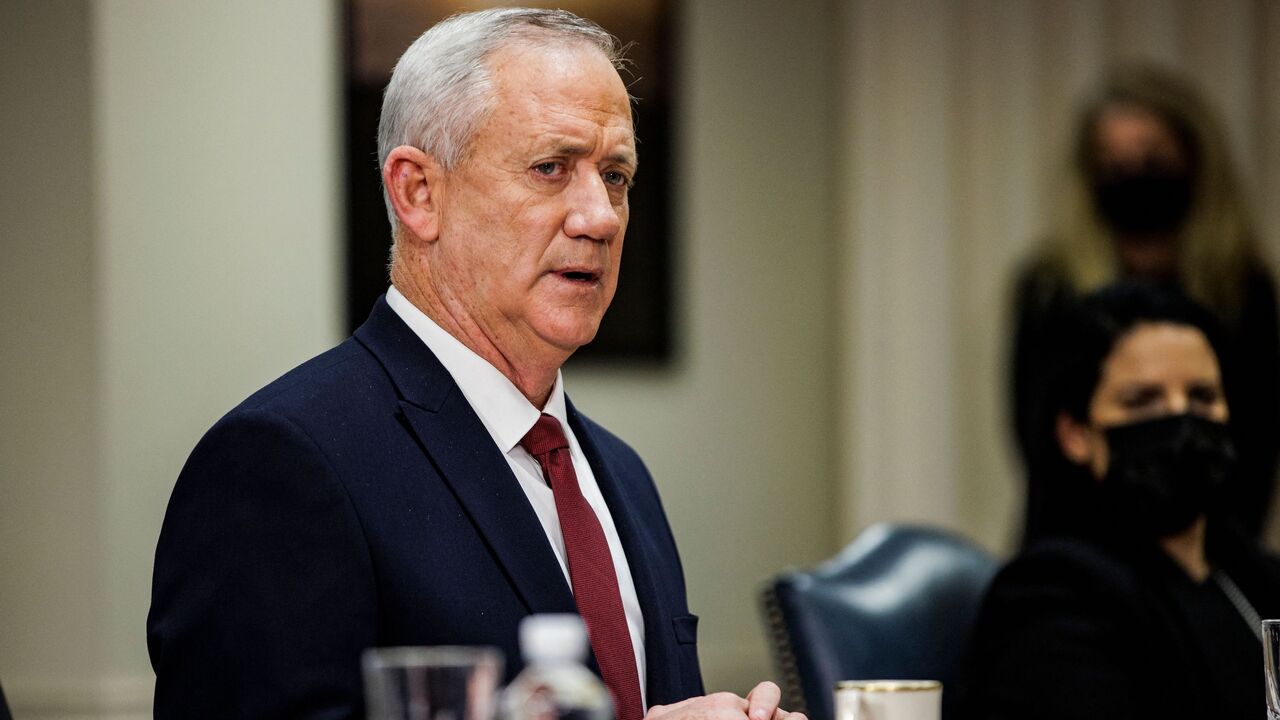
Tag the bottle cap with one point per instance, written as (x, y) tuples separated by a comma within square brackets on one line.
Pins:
[(553, 638)]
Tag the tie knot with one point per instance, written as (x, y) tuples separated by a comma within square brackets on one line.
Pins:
[(545, 435)]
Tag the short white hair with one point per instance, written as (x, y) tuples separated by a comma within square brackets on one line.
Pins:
[(441, 88)]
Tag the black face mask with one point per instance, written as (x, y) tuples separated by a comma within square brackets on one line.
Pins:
[(1145, 202), (1166, 472)]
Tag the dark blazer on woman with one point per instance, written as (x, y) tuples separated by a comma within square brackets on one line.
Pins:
[(1076, 628)]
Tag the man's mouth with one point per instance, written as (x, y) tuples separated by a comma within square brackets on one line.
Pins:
[(586, 277)]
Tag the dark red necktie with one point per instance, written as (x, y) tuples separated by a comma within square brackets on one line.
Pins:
[(591, 572)]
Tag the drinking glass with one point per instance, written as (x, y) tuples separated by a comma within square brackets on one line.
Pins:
[(431, 683), (1271, 658)]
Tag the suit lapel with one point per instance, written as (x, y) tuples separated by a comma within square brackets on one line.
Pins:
[(460, 448), (637, 542)]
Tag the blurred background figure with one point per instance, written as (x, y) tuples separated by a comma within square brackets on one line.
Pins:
[(1154, 197), (1142, 598)]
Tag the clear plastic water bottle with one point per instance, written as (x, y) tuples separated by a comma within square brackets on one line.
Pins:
[(555, 685)]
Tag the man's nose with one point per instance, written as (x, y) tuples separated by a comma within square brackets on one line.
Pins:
[(592, 214), (1178, 403)]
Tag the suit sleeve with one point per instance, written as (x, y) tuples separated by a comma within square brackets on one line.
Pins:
[(262, 591)]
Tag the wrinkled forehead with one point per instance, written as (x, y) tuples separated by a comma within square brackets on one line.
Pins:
[(550, 68)]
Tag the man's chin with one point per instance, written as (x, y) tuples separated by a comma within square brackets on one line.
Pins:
[(568, 337)]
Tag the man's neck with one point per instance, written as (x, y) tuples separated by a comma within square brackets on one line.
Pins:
[(532, 370)]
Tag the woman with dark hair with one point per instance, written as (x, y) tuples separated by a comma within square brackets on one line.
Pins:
[(1142, 602), (1153, 196)]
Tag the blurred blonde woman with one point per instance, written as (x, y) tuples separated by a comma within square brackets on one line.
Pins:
[(1153, 197)]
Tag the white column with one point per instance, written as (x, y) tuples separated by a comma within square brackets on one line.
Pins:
[(1003, 168), (52, 530), (219, 223), (898, 452)]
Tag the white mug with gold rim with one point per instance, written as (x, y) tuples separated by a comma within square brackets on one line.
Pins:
[(888, 700)]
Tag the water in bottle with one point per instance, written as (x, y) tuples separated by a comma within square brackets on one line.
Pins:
[(555, 684)]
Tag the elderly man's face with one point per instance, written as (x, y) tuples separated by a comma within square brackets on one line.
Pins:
[(532, 220)]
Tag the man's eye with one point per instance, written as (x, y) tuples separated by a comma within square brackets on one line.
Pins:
[(613, 177), (547, 168)]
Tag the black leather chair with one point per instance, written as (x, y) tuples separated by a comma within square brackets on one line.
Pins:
[(897, 604)]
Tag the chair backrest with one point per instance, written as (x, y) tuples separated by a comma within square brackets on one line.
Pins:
[(897, 603)]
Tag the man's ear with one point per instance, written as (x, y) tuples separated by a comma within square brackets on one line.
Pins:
[(1073, 438), (412, 179)]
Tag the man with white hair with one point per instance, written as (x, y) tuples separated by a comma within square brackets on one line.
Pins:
[(427, 482)]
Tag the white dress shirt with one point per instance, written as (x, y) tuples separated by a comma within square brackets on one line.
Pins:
[(508, 416)]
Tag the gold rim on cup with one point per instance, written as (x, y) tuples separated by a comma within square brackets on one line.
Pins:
[(889, 685)]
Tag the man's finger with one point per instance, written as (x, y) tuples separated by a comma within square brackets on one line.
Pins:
[(762, 701), (657, 710), (723, 705)]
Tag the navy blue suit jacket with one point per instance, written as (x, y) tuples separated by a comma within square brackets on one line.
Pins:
[(358, 501)]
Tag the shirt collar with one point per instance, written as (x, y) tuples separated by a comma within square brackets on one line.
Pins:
[(506, 413)]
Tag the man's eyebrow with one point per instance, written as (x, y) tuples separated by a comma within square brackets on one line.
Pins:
[(624, 156)]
